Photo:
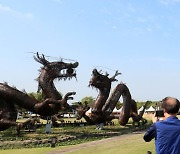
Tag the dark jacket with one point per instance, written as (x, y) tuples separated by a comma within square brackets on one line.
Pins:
[(166, 134)]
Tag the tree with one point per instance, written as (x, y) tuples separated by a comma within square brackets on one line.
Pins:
[(119, 105), (39, 96), (89, 100)]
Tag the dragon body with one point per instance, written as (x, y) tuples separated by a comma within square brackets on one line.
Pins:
[(104, 104), (53, 102)]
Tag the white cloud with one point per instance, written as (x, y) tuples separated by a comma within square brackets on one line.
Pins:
[(7, 9), (167, 2)]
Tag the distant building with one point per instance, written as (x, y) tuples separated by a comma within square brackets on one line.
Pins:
[(150, 110)]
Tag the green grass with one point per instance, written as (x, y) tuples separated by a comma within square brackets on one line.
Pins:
[(131, 144), (26, 151), (67, 136), (127, 145)]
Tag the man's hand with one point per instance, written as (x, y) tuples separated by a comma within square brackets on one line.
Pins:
[(154, 119)]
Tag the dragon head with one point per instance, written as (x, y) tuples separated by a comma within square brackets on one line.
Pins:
[(57, 69), (101, 81)]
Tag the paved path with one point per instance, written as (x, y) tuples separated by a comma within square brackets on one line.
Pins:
[(93, 143)]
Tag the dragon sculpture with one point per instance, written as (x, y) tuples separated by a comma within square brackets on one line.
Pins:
[(104, 105), (53, 102), (30, 122)]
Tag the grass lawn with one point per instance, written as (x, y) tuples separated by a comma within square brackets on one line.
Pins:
[(125, 144), (26, 151), (74, 136)]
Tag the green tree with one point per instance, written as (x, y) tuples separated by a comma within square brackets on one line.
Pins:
[(39, 96), (119, 105), (88, 99)]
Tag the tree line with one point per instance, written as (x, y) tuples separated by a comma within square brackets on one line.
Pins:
[(89, 100)]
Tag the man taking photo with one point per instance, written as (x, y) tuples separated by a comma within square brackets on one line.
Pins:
[(166, 132)]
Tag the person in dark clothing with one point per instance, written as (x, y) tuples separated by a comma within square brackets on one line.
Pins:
[(166, 132)]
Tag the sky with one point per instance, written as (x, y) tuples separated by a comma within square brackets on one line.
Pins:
[(140, 38)]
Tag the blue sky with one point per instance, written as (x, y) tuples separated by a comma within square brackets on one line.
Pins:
[(138, 38)]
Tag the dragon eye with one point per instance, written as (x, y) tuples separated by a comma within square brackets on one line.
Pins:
[(70, 71)]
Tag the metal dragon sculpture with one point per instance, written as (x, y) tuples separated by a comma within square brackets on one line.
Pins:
[(104, 105), (10, 97)]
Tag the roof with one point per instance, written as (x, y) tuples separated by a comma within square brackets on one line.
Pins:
[(150, 109), (115, 110), (89, 111), (141, 108)]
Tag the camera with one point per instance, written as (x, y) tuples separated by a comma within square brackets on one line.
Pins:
[(159, 113)]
